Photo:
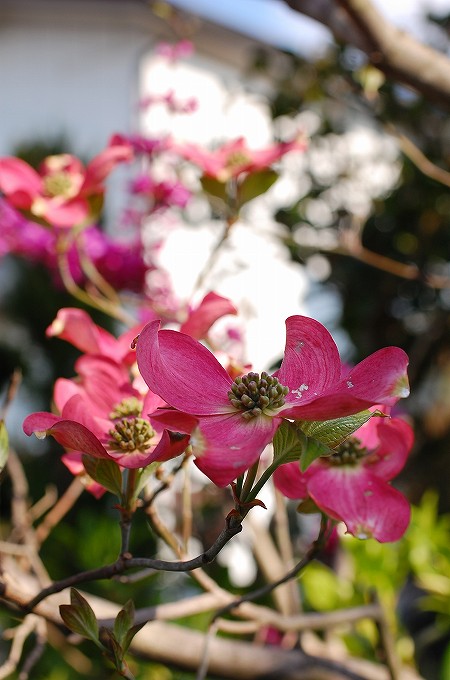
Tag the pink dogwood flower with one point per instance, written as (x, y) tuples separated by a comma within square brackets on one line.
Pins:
[(62, 193), (102, 415), (235, 158), (352, 485), (232, 421)]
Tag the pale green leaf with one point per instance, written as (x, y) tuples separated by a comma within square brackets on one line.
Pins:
[(334, 432), (105, 472), (314, 449), (4, 445), (288, 443), (79, 616), (255, 184)]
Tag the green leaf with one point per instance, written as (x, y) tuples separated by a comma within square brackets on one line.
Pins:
[(123, 622), (314, 449), (213, 187), (255, 184), (114, 651), (4, 445), (131, 633), (105, 472), (334, 432), (145, 475), (79, 616), (288, 443)]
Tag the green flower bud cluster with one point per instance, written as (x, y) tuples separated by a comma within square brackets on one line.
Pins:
[(347, 453), (131, 434), (128, 407), (254, 394)]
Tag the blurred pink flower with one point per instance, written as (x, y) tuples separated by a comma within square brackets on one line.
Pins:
[(175, 51), (352, 485), (163, 194), (62, 193), (234, 158)]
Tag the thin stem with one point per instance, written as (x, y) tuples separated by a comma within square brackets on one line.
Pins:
[(313, 551), (266, 475), (249, 479), (214, 254), (126, 562)]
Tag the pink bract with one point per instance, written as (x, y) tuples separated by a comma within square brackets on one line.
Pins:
[(76, 326), (227, 439), (62, 193), (358, 492)]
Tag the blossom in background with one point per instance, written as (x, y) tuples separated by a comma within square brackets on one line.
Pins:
[(175, 51), (162, 194), (63, 192), (231, 422), (104, 416), (235, 158), (169, 99), (352, 485), (120, 263)]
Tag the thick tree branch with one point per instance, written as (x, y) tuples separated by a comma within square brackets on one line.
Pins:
[(398, 54)]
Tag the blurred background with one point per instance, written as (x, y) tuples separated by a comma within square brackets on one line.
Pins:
[(354, 233)]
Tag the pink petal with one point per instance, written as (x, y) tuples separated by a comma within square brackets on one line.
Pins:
[(182, 371), (173, 420), (20, 179), (65, 214), (292, 483), (225, 446), (211, 308), (76, 326), (103, 164), (311, 363), (379, 379), (366, 504), (396, 438), (68, 433)]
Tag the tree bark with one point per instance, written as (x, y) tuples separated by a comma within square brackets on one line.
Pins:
[(396, 53)]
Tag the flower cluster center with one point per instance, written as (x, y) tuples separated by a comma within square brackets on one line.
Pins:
[(131, 434), (59, 184), (130, 431), (349, 452), (131, 406), (254, 394)]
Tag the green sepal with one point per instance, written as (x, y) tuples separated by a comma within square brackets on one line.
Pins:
[(314, 449), (79, 617), (4, 445), (105, 472), (255, 184), (334, 432), (289, 443)]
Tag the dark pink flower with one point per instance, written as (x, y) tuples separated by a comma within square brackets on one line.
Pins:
[(102, 415), (231, 422), (234, 158), (62, 193), (352, 485)]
